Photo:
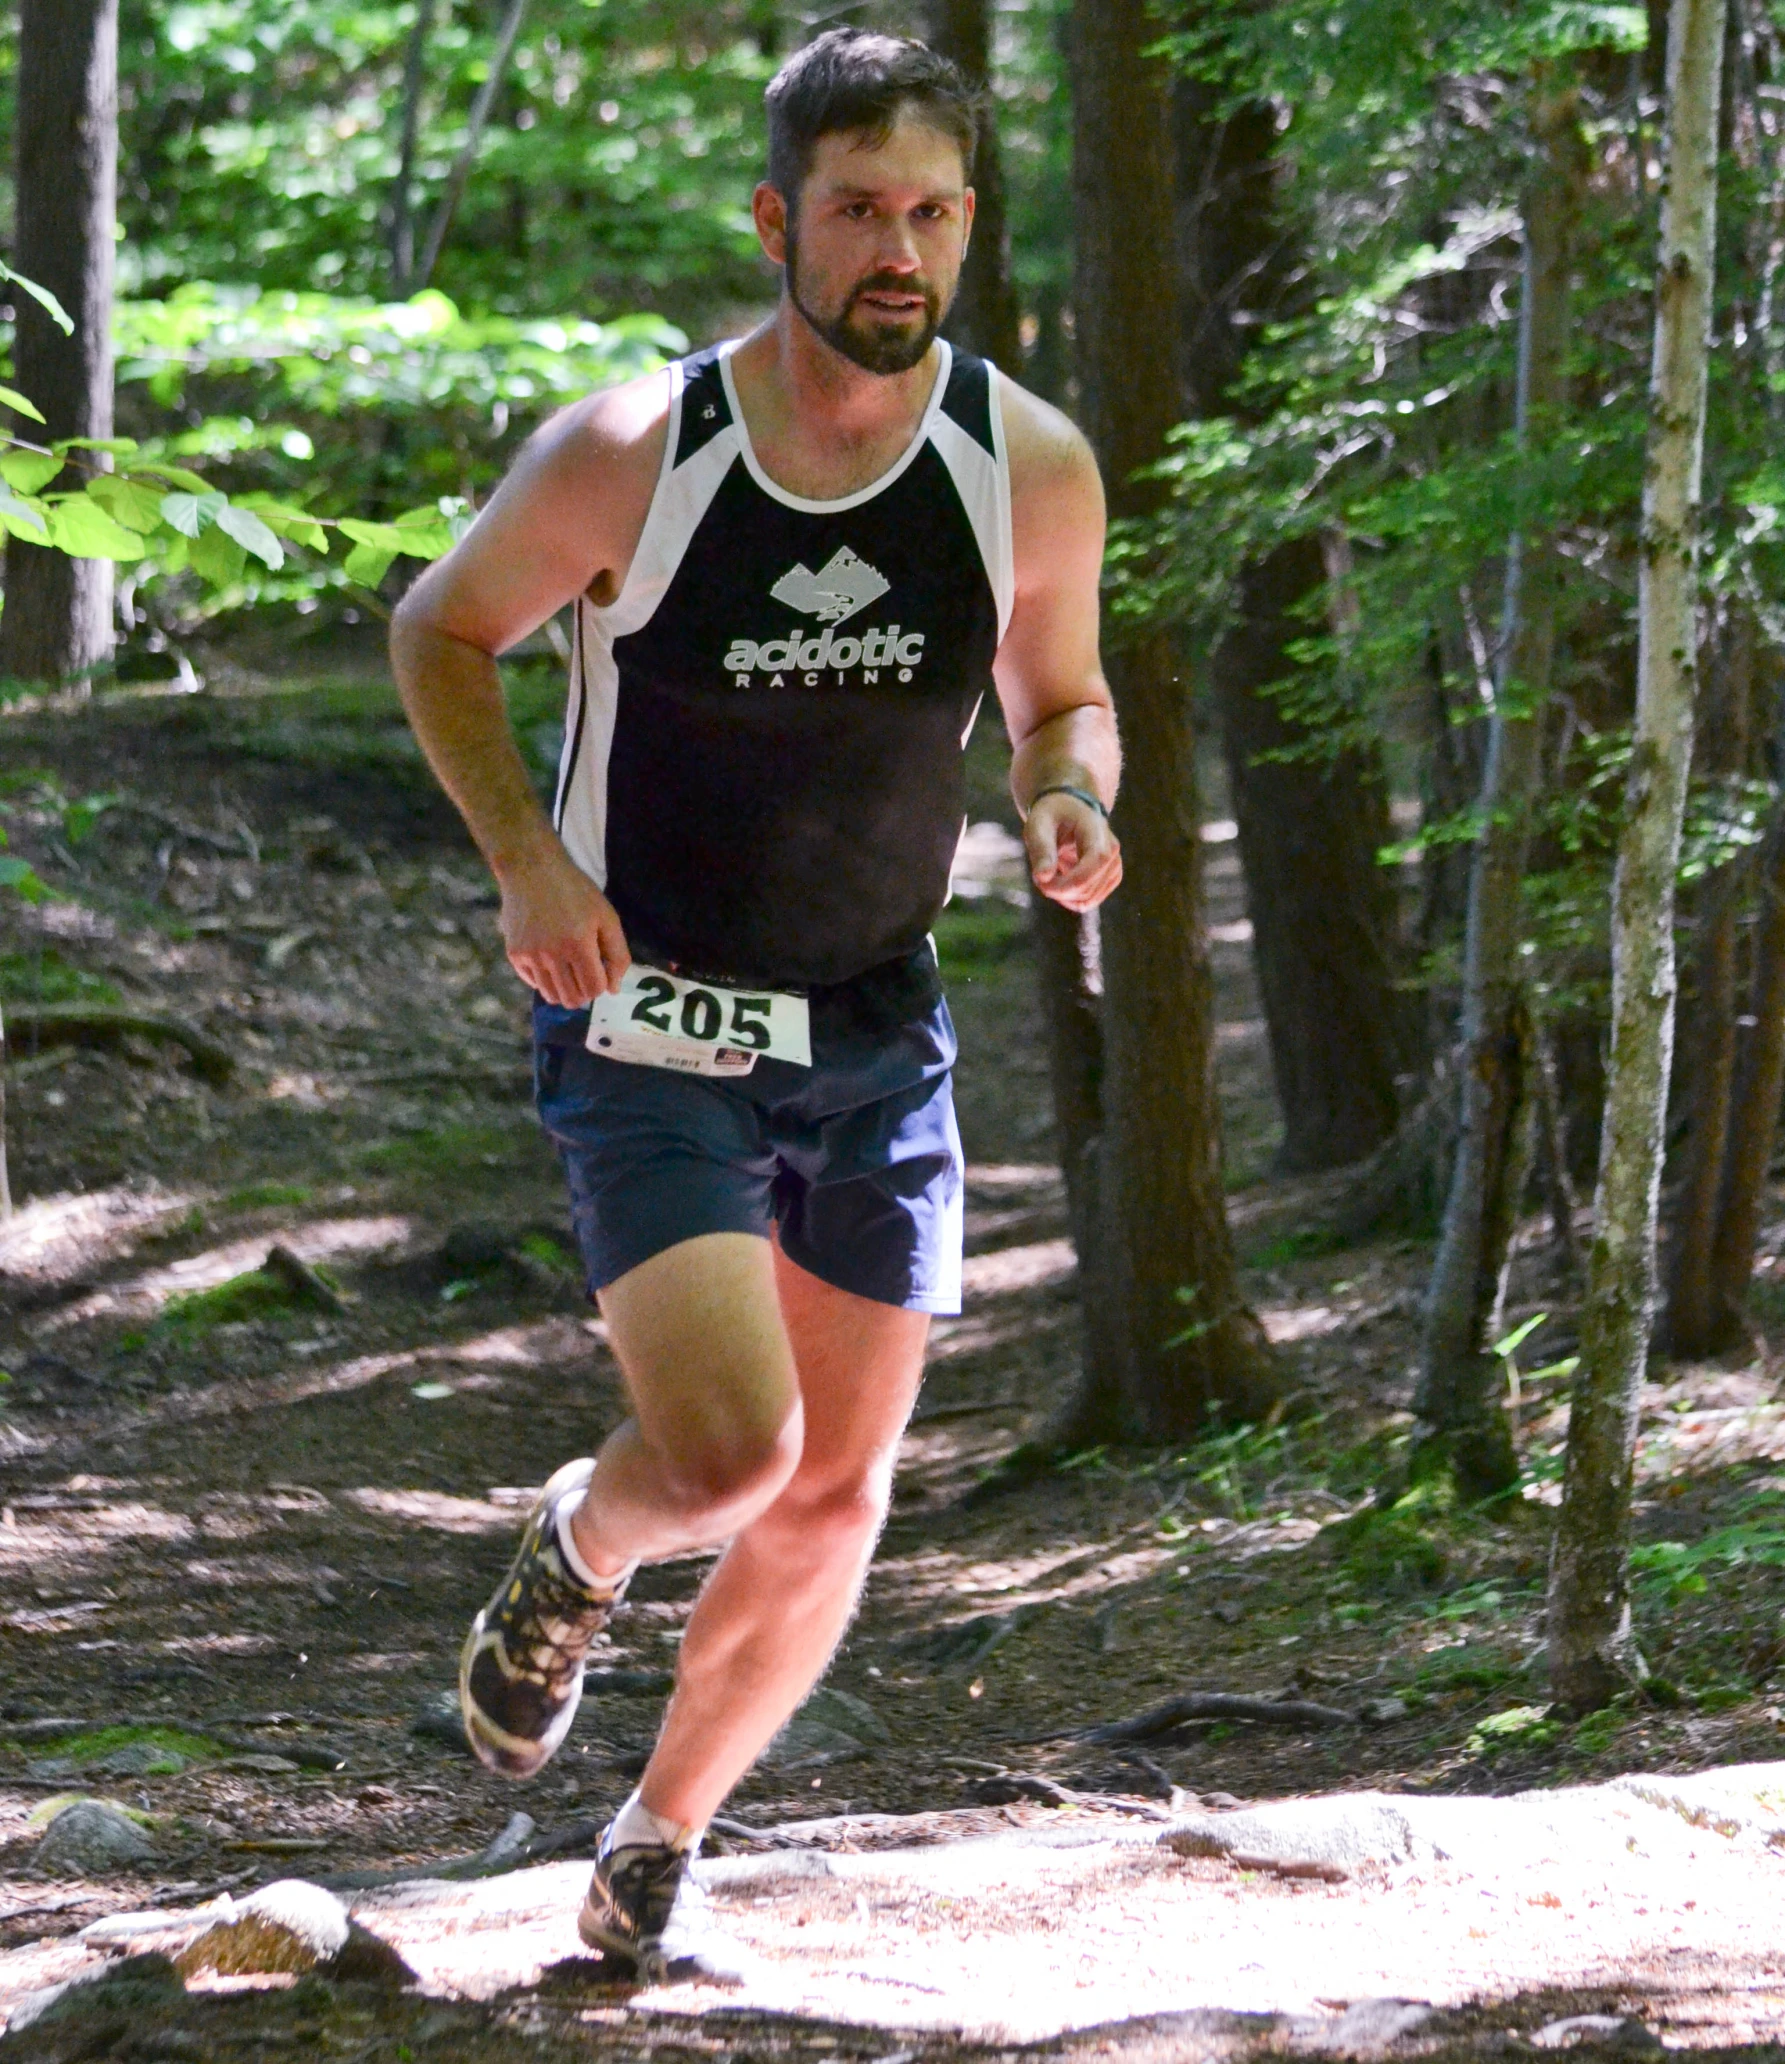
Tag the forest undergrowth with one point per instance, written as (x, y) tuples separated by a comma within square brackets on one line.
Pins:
[(284, 1353)]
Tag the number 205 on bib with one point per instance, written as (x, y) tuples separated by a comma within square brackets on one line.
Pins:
[(704, 1028)]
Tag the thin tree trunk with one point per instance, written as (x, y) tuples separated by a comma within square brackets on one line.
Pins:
[(461, 165), (1462, 1427), (57, 625), (986, 318), (402, 215), (1754, 1112), (1170, 1335), (1592, 1655), (1322, 910), (1695, 1317), (5, 1186)]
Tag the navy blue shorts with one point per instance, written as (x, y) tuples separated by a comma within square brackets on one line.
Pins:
[(856, 1159)]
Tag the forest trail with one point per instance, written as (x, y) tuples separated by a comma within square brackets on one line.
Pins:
[(245, 1517)]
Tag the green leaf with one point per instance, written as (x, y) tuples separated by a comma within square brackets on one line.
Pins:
[(44, 299), (22, 878), (386, 537), (192, 482), (135, 505), (368, 564), (82, 529), (28, 470), (11, 398), (23, 519), (1519, 1335), (191, 513), (217, 558), (251, 534), (284, 522), (119, 447)]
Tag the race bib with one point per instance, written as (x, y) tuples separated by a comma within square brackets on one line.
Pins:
[(702, 1028)]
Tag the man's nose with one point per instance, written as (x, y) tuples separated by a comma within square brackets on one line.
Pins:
[(898, 247)]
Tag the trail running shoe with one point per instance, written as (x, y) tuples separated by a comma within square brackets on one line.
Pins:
[(521, 1670), (644, 1907)]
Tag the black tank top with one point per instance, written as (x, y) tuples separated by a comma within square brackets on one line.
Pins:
[(763, 751)]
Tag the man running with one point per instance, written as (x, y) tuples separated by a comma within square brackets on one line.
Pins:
[(795, 563)]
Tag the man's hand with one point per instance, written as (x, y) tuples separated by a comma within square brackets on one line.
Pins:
[(563, 936), (1074, 856)]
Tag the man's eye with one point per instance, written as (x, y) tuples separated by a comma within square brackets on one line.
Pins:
[(858, 211)]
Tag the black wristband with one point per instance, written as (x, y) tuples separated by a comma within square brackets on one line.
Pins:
[(1082, 795)]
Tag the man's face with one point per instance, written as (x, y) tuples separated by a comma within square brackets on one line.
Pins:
[(873, 256)]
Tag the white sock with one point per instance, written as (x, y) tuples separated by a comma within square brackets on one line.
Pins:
[(567, 1509), (635, 1826)]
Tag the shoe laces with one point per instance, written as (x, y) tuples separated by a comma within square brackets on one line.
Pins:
[(644, 1883)]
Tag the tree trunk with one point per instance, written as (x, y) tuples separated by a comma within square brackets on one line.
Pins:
[(5, 1186), (986, 319), (461, 165), (402, 207), (1170, 1334), (1591, 1653), (1463, 1430), (1754, 1113), (1322, 909), (57, 624), (1695, 1318)]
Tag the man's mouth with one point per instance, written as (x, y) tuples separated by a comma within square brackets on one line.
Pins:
[(891, 301)]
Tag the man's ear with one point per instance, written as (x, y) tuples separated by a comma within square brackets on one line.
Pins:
[(969, 202), (768, 208)]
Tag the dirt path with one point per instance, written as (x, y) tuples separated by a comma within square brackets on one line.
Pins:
[(243, 1524)]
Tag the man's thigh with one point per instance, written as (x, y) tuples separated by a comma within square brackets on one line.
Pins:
[(860, 1363), (721, 1337), (701, 1341)]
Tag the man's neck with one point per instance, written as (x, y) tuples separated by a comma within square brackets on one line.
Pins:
[(804, 381)]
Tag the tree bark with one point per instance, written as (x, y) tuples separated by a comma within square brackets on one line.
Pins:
[(1754, 1112), (1462, 1428), (1323, 911), (5, 1185), (986, 316), (402, 209), (987, 320), (1592, 1655), (57, 624), (461, 165), (1170, 1334), (1695, 1318)]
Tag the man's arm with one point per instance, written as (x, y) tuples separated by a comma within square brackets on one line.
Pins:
[(564, 523), (1050, 680)]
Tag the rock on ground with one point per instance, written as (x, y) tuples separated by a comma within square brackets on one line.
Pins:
[(294, 1927), (91, 1837)]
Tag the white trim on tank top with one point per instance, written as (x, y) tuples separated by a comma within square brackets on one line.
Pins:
[(753, 465)]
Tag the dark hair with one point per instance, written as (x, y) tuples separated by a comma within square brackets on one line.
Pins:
[(856, 81)]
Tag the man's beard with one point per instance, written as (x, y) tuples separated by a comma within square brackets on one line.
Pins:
[(875, 350)]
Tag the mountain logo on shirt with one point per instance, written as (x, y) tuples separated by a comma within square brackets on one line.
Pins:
[(844, 585)]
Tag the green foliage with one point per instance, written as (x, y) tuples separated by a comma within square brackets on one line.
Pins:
[(257, 1294), (44, 976), (1516, 1727), (1676, 1570), (1395, 1548), (267, 1196)]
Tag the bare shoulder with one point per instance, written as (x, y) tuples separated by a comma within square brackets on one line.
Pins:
[(1056, 493), (607, 440), (1049, 455)]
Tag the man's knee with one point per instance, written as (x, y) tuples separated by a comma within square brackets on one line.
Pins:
[(833, 1518), (730, 1468)]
